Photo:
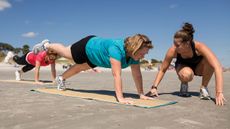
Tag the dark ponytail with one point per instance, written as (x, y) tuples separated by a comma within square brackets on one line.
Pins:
[(186, 33)]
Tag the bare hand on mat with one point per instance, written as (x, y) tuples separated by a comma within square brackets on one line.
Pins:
[(145, 97), (220, 99), (125, 100), (152, 93)]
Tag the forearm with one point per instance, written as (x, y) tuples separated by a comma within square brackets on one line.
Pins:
[(163, 68), (139, 84), (219, 80), (137, 77), (36, 77), (116, 72), (140, 90), (118, 87), (159, 77), (53, 74), (53, 71)]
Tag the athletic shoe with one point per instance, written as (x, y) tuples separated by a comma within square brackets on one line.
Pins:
[(60, 83), (204, 94), (40, 46), (9, 58), (17, 75), (184, 90)]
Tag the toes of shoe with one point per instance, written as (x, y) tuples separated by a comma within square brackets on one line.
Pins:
[(205, 98)]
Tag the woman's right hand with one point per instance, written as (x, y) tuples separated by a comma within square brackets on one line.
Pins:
[(125, 101), (220, 99), (152, 93)]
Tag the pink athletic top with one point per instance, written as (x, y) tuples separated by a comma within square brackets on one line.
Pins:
[(31, 58)]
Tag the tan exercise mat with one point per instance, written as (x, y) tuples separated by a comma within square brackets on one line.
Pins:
[(103, 96), (28, 81)]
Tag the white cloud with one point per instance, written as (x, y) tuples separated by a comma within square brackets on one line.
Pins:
[(173, 6), (4, 4), (30, 34)]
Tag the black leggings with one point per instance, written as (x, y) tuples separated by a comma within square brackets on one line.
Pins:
[(22, 61)]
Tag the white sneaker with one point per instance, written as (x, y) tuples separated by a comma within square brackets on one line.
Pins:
[(184, 90), (204, 94), (18, 75), (60, 83), (40, 46), (9, 57)]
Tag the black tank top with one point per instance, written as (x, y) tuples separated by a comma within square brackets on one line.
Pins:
[(191, 62)]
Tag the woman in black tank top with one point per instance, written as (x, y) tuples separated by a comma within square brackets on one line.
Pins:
[(190, 62), (192, 58)]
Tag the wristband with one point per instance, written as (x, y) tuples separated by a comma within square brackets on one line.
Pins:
[(154, 86)]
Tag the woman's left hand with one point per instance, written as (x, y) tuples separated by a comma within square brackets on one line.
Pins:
[(220, 99), (142, 96)]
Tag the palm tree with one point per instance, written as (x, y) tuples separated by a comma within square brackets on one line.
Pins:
[(25, 49)]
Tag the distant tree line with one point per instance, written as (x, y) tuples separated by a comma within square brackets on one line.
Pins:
[(149, 63), (5, 47)]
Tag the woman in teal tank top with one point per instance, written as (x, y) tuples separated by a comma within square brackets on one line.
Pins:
[(116, 54)]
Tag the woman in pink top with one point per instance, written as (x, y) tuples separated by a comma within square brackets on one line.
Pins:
[(31, 60)]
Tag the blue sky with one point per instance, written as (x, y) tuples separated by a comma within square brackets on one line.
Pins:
[(67, 21)]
